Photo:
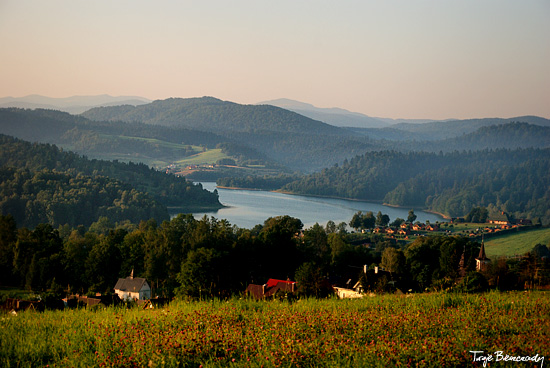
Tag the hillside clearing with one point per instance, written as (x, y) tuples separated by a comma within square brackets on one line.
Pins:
[(517, 243)]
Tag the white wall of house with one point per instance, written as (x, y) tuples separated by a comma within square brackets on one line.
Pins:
[(144, 293)]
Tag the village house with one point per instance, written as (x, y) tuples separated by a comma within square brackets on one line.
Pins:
[(344, 293), (432, 227), (524, 222), (418, 227), (270, 288), (133, 288), (390, 230), (404, 231), (500, 218)]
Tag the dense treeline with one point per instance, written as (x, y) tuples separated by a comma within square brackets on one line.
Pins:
[(266, 182), (447, 130), (515, 181), (521, 190), (166, 189), (58, 198), (209, 257)]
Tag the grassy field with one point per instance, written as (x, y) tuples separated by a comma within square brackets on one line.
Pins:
[(161, 143), (207, 157), (517, 243), (424, 330)]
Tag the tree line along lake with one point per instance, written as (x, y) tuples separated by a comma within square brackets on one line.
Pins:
[(247, 208)]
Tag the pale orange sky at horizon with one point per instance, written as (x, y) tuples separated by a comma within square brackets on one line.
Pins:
[(428, 59)]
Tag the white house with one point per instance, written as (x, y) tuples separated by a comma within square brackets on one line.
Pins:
[(131, 287)]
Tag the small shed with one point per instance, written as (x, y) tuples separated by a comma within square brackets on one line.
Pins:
[(133, 288)]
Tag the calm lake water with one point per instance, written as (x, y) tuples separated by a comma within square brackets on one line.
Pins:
[(247, 208)]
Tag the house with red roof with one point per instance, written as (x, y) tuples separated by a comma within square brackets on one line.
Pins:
[(270, 288)]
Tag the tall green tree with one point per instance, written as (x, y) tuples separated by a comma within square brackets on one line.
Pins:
[(411, 217), (393, 260), (8, 238), (200, 275)]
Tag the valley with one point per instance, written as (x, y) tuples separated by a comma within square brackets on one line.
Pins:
[(437, 166)]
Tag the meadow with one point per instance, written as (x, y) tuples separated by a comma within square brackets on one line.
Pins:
[(517, 243), (419, 330)]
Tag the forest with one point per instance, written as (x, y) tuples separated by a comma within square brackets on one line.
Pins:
[(165, 131), (514, 181), (43, 184), (204, 258)]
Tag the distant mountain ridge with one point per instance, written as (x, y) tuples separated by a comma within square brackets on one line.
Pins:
[(73, 105), (337, 116), (274, 135), (439, 130)]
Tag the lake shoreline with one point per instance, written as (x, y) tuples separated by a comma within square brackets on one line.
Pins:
[(336, 197)]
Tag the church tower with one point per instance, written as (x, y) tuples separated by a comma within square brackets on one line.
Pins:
[(482, 262)]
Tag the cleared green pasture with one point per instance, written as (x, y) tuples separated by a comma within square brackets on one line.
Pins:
[(163, 143), (517, 243), (207, 157)]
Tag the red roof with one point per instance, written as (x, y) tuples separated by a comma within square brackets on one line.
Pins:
[(273, 282)]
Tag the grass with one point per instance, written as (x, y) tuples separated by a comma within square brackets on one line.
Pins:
[(207, 157), (517, 243), (424, 330), (162, 143), (12, 292)]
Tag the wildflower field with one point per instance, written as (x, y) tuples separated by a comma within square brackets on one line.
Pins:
[(425, 330)]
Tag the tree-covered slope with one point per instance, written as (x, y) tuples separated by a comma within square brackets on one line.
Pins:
[(510, 136), (515, 181), (442, 130), (211, 114), (58, 198), (291, 139), (168, 190), (455, 128), (130, 141)]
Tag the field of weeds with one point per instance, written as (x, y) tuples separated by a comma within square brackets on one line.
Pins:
[(425, 330)]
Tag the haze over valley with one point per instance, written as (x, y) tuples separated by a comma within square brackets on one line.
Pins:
[(272, 148)]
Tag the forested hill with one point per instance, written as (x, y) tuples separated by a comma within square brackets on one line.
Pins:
[(455, 128), (135, 141), (515, 181), (211, 114), (22, 159), (293, 140), (510, 136), (441, 130)]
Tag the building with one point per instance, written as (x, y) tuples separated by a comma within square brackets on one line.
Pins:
[(133, 288), (500, 218), (344, 293), (482, 262), (270, 288)]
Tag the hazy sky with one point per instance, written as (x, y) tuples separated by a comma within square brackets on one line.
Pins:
[(401, 59)]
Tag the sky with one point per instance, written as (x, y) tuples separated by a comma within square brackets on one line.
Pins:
[(421, 59)]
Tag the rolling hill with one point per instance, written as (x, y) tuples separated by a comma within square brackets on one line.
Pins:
[(434, 131), (73, 105), (289, 138), (334, 116)]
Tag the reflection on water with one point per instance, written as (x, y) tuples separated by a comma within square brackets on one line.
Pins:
[(247, 208)]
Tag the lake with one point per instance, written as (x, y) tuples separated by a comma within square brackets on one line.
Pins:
[(247, 208)]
